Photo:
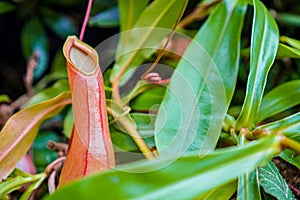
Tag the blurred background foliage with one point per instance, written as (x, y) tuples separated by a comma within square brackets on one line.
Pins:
[(41, 26)]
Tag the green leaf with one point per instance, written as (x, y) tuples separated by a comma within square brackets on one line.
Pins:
[(285, 51), (289, 19), (288, 126), (106, 19), (17, 180), (68, 123), (33, 186), (130, 10), (248, 187), (6, 7), (145, 123), (264, 43), (35, 42), (290, 41), (152, 26), (279, 99), (273, 183), (4, 98), (195, 104), (20, 130), (58, 87), (148, 99), (62, 25), (162, 178), (223, 192), (291, 157), (145, 127)]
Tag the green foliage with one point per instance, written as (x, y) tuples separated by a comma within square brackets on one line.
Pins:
[(273, 183), (195, 122), (179, 120), (140, 180)]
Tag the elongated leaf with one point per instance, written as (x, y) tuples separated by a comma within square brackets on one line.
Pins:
[(288, 126), (106, 19), (289, 19), (201, 88), (20, 130), (144, 38), (68, 123), (6, 7), (126, 123), (285, 51), (292, 42), (140, 180), (15, 182), (221, 192), (279, 99), (35, 41), (46, 94), (291, 157), (90, 148), (264, 43), (248, 187), (273, 183), (130, 11)]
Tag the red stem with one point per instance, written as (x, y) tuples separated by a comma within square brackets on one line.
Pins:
[(86, 19)]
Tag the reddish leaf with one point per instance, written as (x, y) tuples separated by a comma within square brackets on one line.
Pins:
[(90, 147), (20, 130)]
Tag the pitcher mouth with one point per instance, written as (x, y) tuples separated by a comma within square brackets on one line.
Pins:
[(82, 57)]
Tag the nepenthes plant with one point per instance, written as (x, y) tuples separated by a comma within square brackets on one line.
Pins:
[(195, 143)]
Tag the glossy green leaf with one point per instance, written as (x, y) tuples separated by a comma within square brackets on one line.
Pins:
[(140, 180), (62, 25), (20, 130), (288, 126), (17, 180), (145, 127), (289, 19), (148, 100), (60, 86), (192, 112), (248, 186), (290, 41), (285, 51), (279, 99), (145, 123), (130, 11), (33, 186), (35, 41), (291, 157), (4, 98), (273, 183), (6, 7), (68, 123), (125, 123), (106, 19), (146, 35), (264, 44), (223, 192)]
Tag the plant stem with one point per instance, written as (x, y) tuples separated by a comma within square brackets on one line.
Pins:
[(86, 18), (291, 144), (133, 133)]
